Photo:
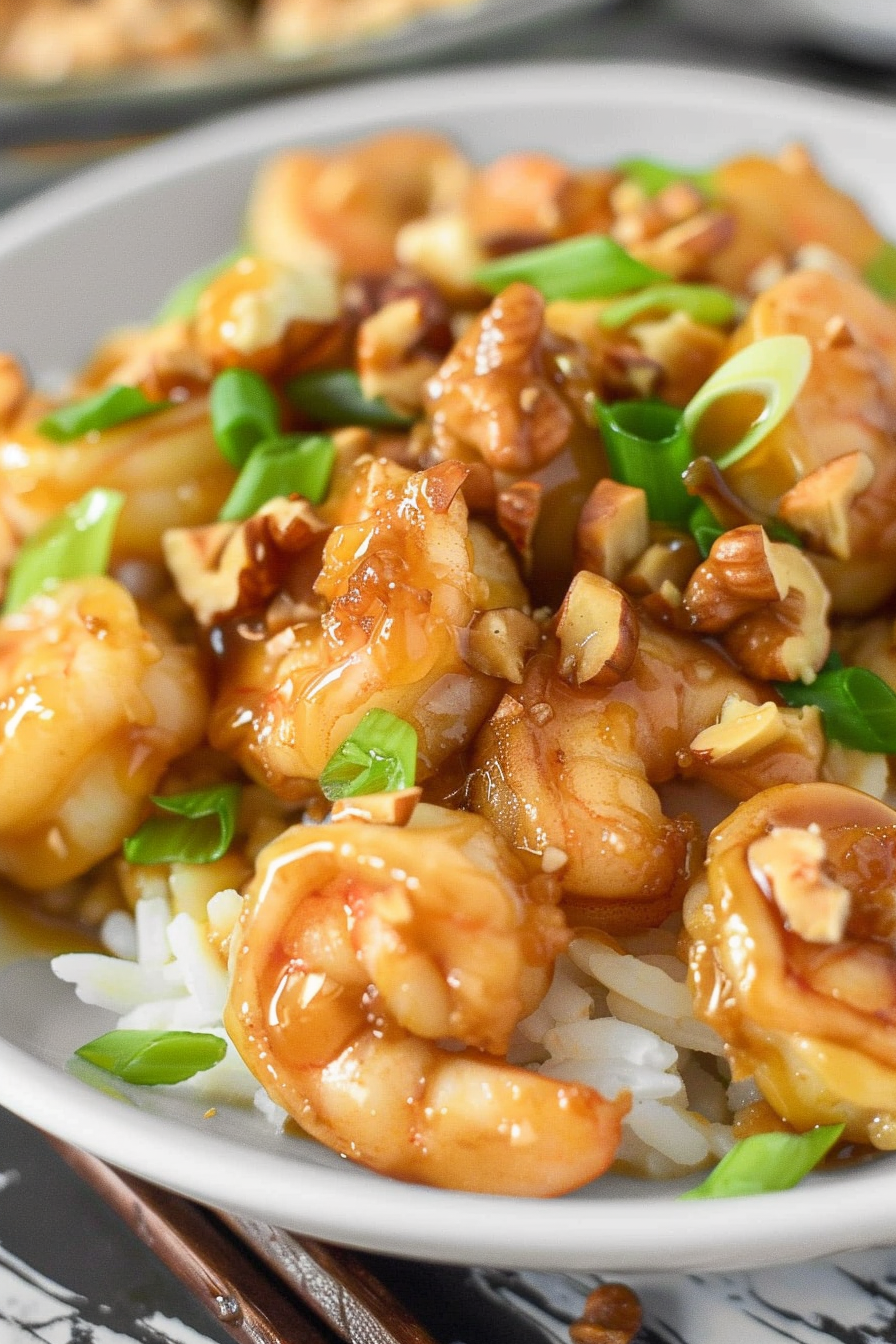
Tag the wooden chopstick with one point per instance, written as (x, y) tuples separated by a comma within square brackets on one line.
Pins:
[(226, 1262)]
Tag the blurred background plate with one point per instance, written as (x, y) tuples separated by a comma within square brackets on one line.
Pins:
[(172, 93), (861, 29)]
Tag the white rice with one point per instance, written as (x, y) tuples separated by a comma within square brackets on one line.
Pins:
[(614, 1020)]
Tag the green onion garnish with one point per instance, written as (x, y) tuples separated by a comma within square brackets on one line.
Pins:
[(764, 1163), (775, 369), (199, 832), (590, 267), (858, 708), (880, 273), (73, 545), (244, 413), (704, 303), (648, 446), (296, 464), (115, 406), (152, 1057), (380, 756), (652, 176), (335, 398), (182, 301)]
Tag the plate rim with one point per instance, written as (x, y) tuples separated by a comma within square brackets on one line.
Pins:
[(585, 1233)]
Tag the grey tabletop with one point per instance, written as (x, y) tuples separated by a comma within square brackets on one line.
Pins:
[(72, 1273)]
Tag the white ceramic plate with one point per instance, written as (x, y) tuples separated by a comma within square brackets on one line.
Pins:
[(862, 28), (105, 248)]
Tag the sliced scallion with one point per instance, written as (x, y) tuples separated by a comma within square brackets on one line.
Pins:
[(589, 267), (149, 1058), (652, 176), (857, 706), (181, 303), (704, 303), (648, 446), (295, 464), (113, 406), (880, 273), (380, 756), (244, 413), (75, 544), (765, 1163), (334, 397), (199, 831), (775, 369)]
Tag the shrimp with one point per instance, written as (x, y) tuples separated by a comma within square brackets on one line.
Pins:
[(782, 205), (361, 950), (167, 465), (792, 956), (573, 768), (96, 700), (524, 200), (344, 210), (846, 408), (399, 585)]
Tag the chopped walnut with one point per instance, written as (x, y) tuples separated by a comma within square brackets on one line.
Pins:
[(598, 632), (517, 510), (867, 771), (492, 395), (443, 247), (611, 1315), (498, 642), (382, 809), (743, 730), (818, 506), (391, 363), (686, 351), (670, 559), (227, 568), (767, 602), (523, 200), (163, 361), (612, 530), (684, 248), (787, 865)]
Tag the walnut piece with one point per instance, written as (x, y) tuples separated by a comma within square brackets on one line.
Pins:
[(767, 602), (224, 569), (818, 506), (391, 363), (498, 641), (382, 809), (517, 510), (612, 530), (867, 771), (787, 865), (492, 395), (443, 247), (598, 632), (671, 560), (612, 1315), (743, 730)]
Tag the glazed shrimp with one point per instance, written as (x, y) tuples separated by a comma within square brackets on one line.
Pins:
[(573, 769), (398, 585), (95, 703), (792, 955), (835, 450), (168, 466), (524, 200), (360, 948), (344, 210)]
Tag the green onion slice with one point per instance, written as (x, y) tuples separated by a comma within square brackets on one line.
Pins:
[(380, 756), (704, 303), (765, 1163), (200, 830), (244, 413), (335, 398), (295, 464), (73, 545), (652, 176), (589, 267), (880, 273), (152, 1057), (114, 406), (183, 300), (648, 446), (858, 708), (775, 369)]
